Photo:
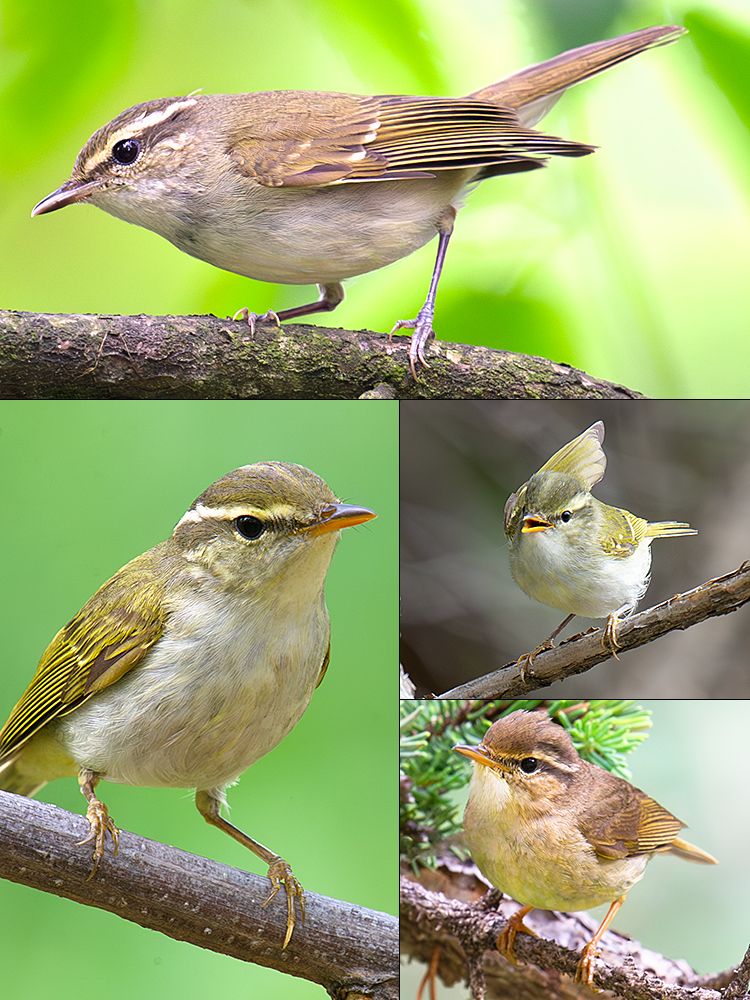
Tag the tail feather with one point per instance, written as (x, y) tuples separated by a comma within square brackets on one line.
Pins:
[(689, 852), (533, 91), (658, 529), (12, 778)]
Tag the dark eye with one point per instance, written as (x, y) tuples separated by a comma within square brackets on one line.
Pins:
[(565, 516), (249, 527), (126, 151), (529, 765)]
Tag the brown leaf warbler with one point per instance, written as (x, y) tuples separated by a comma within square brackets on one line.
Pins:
[(556, 832)]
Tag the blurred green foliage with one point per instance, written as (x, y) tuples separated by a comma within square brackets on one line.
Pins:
[(627, 263), (89, 485)]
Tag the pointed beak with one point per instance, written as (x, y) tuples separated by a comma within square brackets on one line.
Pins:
[(337, 516), (480, 755), (67, 194), (534, 523)]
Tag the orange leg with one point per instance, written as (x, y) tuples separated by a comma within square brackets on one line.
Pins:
[(514, 926), (429, 976), (585, 970)]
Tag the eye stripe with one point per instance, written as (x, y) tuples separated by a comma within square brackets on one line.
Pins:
[(135, 128)]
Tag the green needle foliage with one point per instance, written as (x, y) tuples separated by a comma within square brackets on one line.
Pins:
[(603, 732)]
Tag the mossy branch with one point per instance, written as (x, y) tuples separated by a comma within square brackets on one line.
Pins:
[(56, 356)]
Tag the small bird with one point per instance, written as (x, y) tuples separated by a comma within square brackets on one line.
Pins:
[(556, 832), (304, 187), (194, 660), (571, 551)]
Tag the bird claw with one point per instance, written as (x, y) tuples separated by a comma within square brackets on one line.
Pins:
[(507, 936), (524, 662), (280, 873), (251, 318), (422, 327), (101, 824), (609, 636)]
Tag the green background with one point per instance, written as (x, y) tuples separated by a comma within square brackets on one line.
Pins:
[(694, 764), (629, 263), (87, 486)]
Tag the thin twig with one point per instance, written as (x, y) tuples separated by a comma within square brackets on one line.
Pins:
[(715, 597)]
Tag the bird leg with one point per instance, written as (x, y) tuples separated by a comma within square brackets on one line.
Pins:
[(99, 819), (524, 662), (330, 296), (422, 325), (507, 937), (585, 970), (279, 872)]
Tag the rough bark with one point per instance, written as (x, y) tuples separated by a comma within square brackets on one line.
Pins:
[(56, 356), (351, 951), (455, 925)]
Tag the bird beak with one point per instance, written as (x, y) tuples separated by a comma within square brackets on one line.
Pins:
[(67, 194), (534, 523), (340, 515), (480, 755)]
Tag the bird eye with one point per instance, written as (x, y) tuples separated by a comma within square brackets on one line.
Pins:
[(529, 765), (249, 527), (565, 516), (126, 151)]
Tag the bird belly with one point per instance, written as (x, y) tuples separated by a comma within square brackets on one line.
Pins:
[(215, 694), (297, 236), (592, 585), (538, 861)]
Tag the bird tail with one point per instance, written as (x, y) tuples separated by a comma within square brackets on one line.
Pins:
[(661, 528), (13, 778), (534, 90), (689, 852)]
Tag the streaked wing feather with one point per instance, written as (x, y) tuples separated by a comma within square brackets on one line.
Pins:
[(622, 821), (108, 637), (392, 138)]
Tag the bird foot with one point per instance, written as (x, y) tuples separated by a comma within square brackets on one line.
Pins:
[(280, 873), (507, 936), (609, 636), (585, 969), (524, 662), (422, 327), (252, 318), (101, 824)]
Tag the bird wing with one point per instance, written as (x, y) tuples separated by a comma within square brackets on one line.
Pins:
[(624, 532), (310, 139), (107, 638), (622, 821), (324, 667), (583, 457)]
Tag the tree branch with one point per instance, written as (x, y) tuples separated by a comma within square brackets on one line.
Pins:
[(351, 951), (467, 933), (573, 656), (55, 356)]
